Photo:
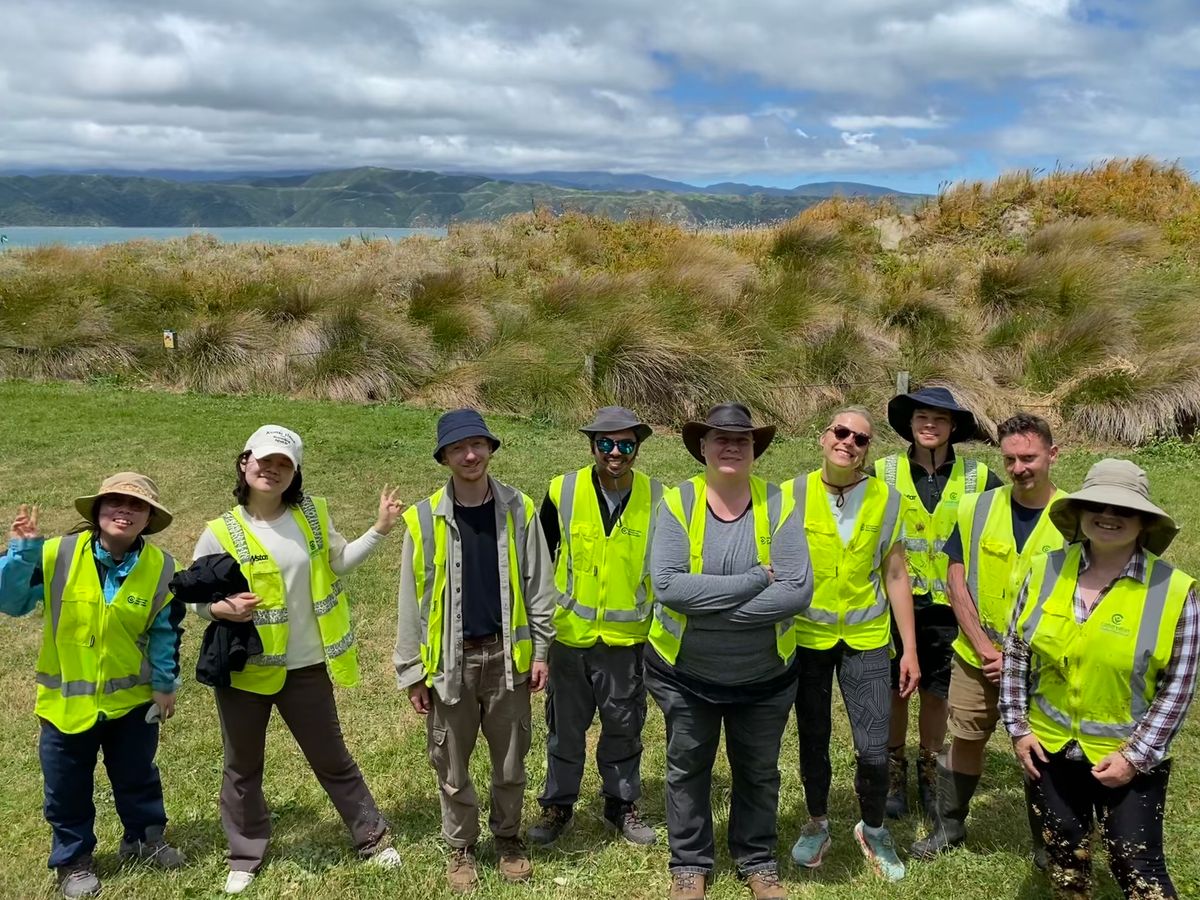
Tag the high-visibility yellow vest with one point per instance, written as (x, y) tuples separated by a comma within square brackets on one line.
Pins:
[(926, 533), (603, 579), (93, 661), (1093, 682), (688, 504), (429, 532), (266, 672), (994, 569), (849, 600)]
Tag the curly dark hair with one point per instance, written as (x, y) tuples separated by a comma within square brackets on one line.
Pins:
[(292, 496), (1025, 423)]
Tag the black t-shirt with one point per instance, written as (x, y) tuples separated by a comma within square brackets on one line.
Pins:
[(480, 569), (1024, 520)]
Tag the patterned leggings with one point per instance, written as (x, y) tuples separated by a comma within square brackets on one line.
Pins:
[(864, 678)]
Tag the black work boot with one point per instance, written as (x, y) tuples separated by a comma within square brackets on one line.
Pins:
[(1041, 857), (549, 828), (897, 798), (927, 765), (954, 792)]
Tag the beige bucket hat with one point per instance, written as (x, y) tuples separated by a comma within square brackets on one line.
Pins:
[(131, 484), (1117, 482)]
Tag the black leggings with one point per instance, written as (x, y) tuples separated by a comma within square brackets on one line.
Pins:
[(864, 677), (1131, 821)]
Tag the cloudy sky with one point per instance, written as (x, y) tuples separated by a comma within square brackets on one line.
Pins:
[(907, 93)]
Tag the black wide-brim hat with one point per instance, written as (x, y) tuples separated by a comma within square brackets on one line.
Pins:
[(901, 408), (610, 419), (727, 417), (458, 425)]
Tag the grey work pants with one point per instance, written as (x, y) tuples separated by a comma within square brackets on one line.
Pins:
[(307, 706), (485, 704), (583, 681), (753, 733)]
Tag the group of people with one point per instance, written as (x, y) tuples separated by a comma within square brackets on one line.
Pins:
[(729, 599)]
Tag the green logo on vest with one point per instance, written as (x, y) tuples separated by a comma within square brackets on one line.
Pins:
[(135, 600), (1116, 625), (630, 532)]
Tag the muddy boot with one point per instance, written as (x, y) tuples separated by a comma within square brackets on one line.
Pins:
[(1041, 857), (927, 776), (954, 792), (897, 798)]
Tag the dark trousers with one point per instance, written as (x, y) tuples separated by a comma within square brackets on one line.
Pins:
[(864, 679), (69, 767), (583, 681), (306, 703), (753, 733), (1131, 821)]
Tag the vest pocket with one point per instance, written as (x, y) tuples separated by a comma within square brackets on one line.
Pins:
[(1053, 639), (77, 623)]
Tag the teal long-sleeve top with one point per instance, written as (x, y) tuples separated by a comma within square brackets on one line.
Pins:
[(21, 587)]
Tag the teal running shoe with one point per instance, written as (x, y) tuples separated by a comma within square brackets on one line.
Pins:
[(812, 845), (879, 851)]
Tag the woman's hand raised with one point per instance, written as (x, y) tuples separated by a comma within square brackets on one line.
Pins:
[(25, 525), (389, 510)]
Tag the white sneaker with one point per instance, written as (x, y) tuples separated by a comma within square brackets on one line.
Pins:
[(237, 881), (388, 858)]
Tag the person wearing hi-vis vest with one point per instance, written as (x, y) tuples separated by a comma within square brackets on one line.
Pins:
[(730, 572), (292, 558), (932, 480), (997, 535), (853, 526), (107, 670), (1099, 671), (598, 522), (475, 624)]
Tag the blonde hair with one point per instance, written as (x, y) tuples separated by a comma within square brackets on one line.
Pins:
[(870, 420)]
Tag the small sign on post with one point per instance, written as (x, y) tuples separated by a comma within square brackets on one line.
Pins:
[(169, 339), (902, 382)]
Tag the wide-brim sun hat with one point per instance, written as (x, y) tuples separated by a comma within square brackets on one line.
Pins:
[(1120, 483), (900, 411), (727, 417), (611, 419), (129, 484), (458, 425)]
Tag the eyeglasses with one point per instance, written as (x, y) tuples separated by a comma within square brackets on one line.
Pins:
[(841, 432), (625, 446), (1100, 508)]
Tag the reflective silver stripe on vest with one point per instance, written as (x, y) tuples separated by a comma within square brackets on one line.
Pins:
[(522, 633), (67, 689), (268, 659), (637, 614), (800, 496), (425, 523), (916, 545), (982, 507), (774, 507), (271, 616), (672, 627), (337, 648), (238, 536), (566, 510), (891, 515), (1054, 567), (1147, 639), (163, 591), (123, 684), (309, 510), (329, 604), (687, 500), (58, 582), (656, 491), (971, 477), (573, 606), (891, 467)]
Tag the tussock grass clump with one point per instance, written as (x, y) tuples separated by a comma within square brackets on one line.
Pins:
[(81, 346), (227, 352)]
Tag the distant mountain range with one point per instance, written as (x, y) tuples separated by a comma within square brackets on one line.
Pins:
[(376, 197)]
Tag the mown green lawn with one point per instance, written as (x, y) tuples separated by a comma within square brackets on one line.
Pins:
[(58, 441)]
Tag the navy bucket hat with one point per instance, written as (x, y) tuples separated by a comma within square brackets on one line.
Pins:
[(901, 408), (458, 425)]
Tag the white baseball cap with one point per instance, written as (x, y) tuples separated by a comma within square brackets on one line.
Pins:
[(271, 440)]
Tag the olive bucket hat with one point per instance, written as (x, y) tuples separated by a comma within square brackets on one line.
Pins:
[(129, 484), (1120, 483), (617, 418)]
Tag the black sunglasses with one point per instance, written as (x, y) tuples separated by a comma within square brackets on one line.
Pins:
[(1099, 508), (625, 446), (841, 432)]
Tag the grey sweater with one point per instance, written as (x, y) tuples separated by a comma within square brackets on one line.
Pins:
[(731, 608)]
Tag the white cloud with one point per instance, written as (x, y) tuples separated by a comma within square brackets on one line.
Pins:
[(858, 122)]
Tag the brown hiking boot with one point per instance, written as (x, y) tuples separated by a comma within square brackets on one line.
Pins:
[(514, 864), (687, 886), (897, 797), (927, 783), (461, 874), (766, 886)]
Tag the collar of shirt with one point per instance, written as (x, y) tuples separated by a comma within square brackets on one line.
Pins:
[(113, 572), (1136, 568), (920, 471)]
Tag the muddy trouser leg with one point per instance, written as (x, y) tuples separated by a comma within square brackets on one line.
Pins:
[(864, 679), (1065, 795), (1132, 821)]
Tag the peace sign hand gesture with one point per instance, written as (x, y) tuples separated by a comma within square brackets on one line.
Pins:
[(389, 510), (25, 525)]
